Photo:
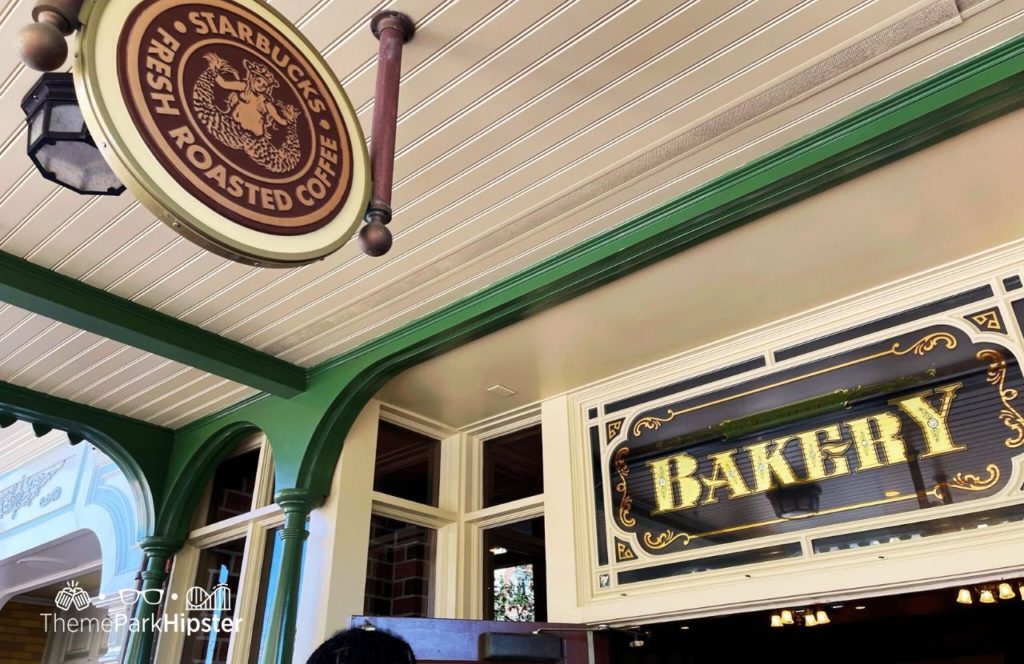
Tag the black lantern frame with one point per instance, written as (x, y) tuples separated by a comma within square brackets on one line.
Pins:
[(59, 142)]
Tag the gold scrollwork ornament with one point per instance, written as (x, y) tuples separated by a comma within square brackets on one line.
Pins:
[(663, 539), (926, 345), (1009, 416), (626, 501)]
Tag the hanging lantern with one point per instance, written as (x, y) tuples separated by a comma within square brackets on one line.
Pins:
[(59, 143)]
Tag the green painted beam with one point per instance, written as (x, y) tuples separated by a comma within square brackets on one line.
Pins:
[(140, 449), (63, 299)]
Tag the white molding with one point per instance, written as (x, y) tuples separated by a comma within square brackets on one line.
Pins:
[(411, 511), (414, 422)]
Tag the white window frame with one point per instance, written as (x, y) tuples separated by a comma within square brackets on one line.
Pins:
[(476, 519), (443, 519), (255, 526)]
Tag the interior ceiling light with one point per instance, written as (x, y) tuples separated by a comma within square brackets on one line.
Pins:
[(1006, 591), (498, 550), (963, 596), (986, 597), (809, 617)]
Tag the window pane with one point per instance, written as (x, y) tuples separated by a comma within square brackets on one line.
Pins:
[(513, 467), (233, 487), (269, 574), (212, 597), (407, 464), (400, 569), (515, 576)]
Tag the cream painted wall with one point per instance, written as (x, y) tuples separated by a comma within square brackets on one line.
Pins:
[(334, 571)]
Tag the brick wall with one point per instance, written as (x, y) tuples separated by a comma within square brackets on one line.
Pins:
[(22, 634), (398, 573)]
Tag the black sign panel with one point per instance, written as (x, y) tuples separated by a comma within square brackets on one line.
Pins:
[(916, 422)]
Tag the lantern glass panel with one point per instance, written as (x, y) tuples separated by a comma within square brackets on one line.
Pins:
[(36, 125), (66, 118), (78, 166)]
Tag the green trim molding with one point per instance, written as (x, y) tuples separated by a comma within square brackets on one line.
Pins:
[(86, 307), (140, 449)]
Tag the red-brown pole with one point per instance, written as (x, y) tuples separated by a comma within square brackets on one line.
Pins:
[(392, 29)]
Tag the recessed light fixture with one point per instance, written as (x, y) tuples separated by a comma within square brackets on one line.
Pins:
[(501, 391), (684, 627), (860, 607), (498, 550)]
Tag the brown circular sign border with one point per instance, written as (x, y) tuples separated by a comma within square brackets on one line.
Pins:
[(236, 114)]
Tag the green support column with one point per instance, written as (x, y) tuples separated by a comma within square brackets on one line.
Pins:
[(159, 550), (279, 640)]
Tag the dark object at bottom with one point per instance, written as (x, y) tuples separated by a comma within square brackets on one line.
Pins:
[(520, 647)]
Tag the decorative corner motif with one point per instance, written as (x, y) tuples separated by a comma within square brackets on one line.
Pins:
[(626, 501), (969, 481), (665, 538), (927, 344), (623, 551), (989, 320), (604, 581), (613, 428), (1009, 416), (652, 423)]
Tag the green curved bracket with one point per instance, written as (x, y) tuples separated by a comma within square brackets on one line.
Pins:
[(184, 491)]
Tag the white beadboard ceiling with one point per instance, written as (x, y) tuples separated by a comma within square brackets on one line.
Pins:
[(510, 112)]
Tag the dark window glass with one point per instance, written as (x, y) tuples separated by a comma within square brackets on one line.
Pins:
[(515, 576), (233, 486), (268, 589), (407, 464), (513, 467), (400, 569), (213, 595)]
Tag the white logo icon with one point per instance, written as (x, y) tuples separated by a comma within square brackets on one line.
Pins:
[(218, 599), (153, 596), (72, 595)]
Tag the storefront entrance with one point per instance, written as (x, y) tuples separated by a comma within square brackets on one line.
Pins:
[(436, 641), (919, 628)]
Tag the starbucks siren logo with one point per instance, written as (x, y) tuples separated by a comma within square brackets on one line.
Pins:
[(236, 114)]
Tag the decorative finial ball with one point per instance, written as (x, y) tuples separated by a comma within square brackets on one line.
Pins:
[(42, 46), (374, 239)]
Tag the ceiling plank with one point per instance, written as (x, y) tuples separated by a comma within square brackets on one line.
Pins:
[(47, 293)]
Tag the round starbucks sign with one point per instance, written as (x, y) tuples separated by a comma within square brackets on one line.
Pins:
[(226, 123)]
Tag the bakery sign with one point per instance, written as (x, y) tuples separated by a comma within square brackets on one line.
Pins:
[(913, 423), (226, 123)]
